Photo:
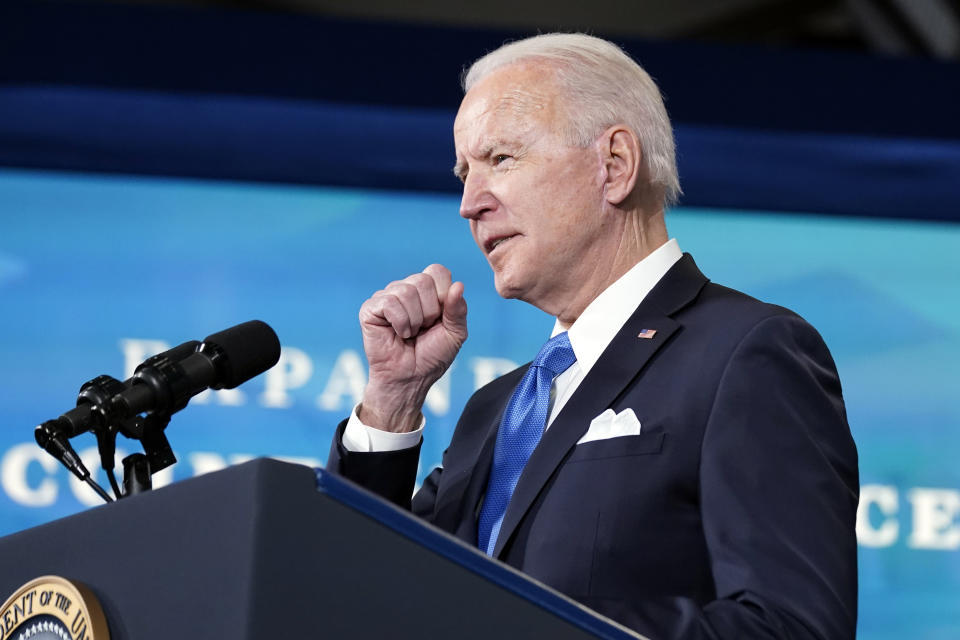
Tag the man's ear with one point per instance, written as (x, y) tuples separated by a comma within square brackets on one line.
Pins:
[(623, 160)]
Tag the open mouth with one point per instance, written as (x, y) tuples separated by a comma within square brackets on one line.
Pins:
[(493, 243)]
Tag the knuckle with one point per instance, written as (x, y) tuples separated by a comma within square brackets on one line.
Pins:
[(391, 303), (436, 268), (401, 288), (420, 280), (427, 288), (370, 304)]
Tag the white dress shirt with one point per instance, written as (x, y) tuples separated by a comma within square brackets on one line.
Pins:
[(589, 336)]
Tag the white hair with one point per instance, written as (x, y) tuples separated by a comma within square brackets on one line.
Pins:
[(603, 87)]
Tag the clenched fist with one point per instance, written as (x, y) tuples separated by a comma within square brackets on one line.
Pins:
[(412, 331)]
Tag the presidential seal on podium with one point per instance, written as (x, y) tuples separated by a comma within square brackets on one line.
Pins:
[(53, 608)]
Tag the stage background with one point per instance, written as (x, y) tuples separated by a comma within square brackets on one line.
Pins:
[(158, 200)]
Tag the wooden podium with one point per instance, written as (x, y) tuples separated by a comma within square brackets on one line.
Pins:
[(272, 550)]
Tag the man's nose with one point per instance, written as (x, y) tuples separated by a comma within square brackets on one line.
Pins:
[(477, 198)]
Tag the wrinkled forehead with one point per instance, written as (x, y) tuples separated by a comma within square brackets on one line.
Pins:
[(521, 94)]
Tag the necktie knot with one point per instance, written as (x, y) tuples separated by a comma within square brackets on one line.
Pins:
[(556, 355)]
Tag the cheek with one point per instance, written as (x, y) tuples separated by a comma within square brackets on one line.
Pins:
[(576, 221), (578, 182)]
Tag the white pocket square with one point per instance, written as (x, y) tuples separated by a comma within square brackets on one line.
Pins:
[(612, 425)]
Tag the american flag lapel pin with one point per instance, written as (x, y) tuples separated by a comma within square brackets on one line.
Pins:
[(647, 334)]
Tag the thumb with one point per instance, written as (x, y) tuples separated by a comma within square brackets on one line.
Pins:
[(455, 311)]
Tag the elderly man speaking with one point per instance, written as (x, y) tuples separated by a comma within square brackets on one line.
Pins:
[(677, 455)]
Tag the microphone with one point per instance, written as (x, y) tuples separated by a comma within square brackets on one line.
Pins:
[(165, 382), (161, 385), (223, 360), (51, 441), (95, 395)]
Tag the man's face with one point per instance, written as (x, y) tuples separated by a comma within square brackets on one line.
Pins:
[(533, 201)]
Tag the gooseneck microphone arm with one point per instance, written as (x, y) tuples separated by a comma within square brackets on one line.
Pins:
[(59, 447), (141, 407)]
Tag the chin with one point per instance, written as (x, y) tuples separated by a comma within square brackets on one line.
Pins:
[(506, 288)]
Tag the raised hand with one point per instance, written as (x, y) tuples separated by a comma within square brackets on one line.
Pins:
[(412, 331)]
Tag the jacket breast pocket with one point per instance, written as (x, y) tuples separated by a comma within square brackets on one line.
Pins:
[(639, 445)]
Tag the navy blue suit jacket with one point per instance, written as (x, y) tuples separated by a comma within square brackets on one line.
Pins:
[(730, 516)]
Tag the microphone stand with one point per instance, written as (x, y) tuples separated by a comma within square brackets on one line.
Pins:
[(136, 474), (97, 393), (141, 407), (138, 467)]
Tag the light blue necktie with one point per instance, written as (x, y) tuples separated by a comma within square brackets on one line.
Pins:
[(520, 431)]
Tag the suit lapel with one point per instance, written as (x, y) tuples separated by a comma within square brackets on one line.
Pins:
[(621, 362), (472, 497), (470, 470)]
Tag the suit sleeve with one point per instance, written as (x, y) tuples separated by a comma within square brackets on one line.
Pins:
[(779, 490), (390, 474)]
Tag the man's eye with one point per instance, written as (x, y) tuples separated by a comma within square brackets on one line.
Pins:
[(500, 157)]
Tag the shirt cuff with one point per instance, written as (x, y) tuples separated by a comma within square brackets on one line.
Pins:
[(360, 438)]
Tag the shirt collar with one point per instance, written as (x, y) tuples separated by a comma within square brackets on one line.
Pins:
[(609, 311)]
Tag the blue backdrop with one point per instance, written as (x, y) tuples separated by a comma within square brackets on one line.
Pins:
[(97, 272)]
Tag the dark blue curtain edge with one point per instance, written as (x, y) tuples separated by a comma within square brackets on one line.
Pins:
[(296, 141), (214, 50)]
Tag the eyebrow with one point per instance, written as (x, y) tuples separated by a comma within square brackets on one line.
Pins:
[(460, 168)]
